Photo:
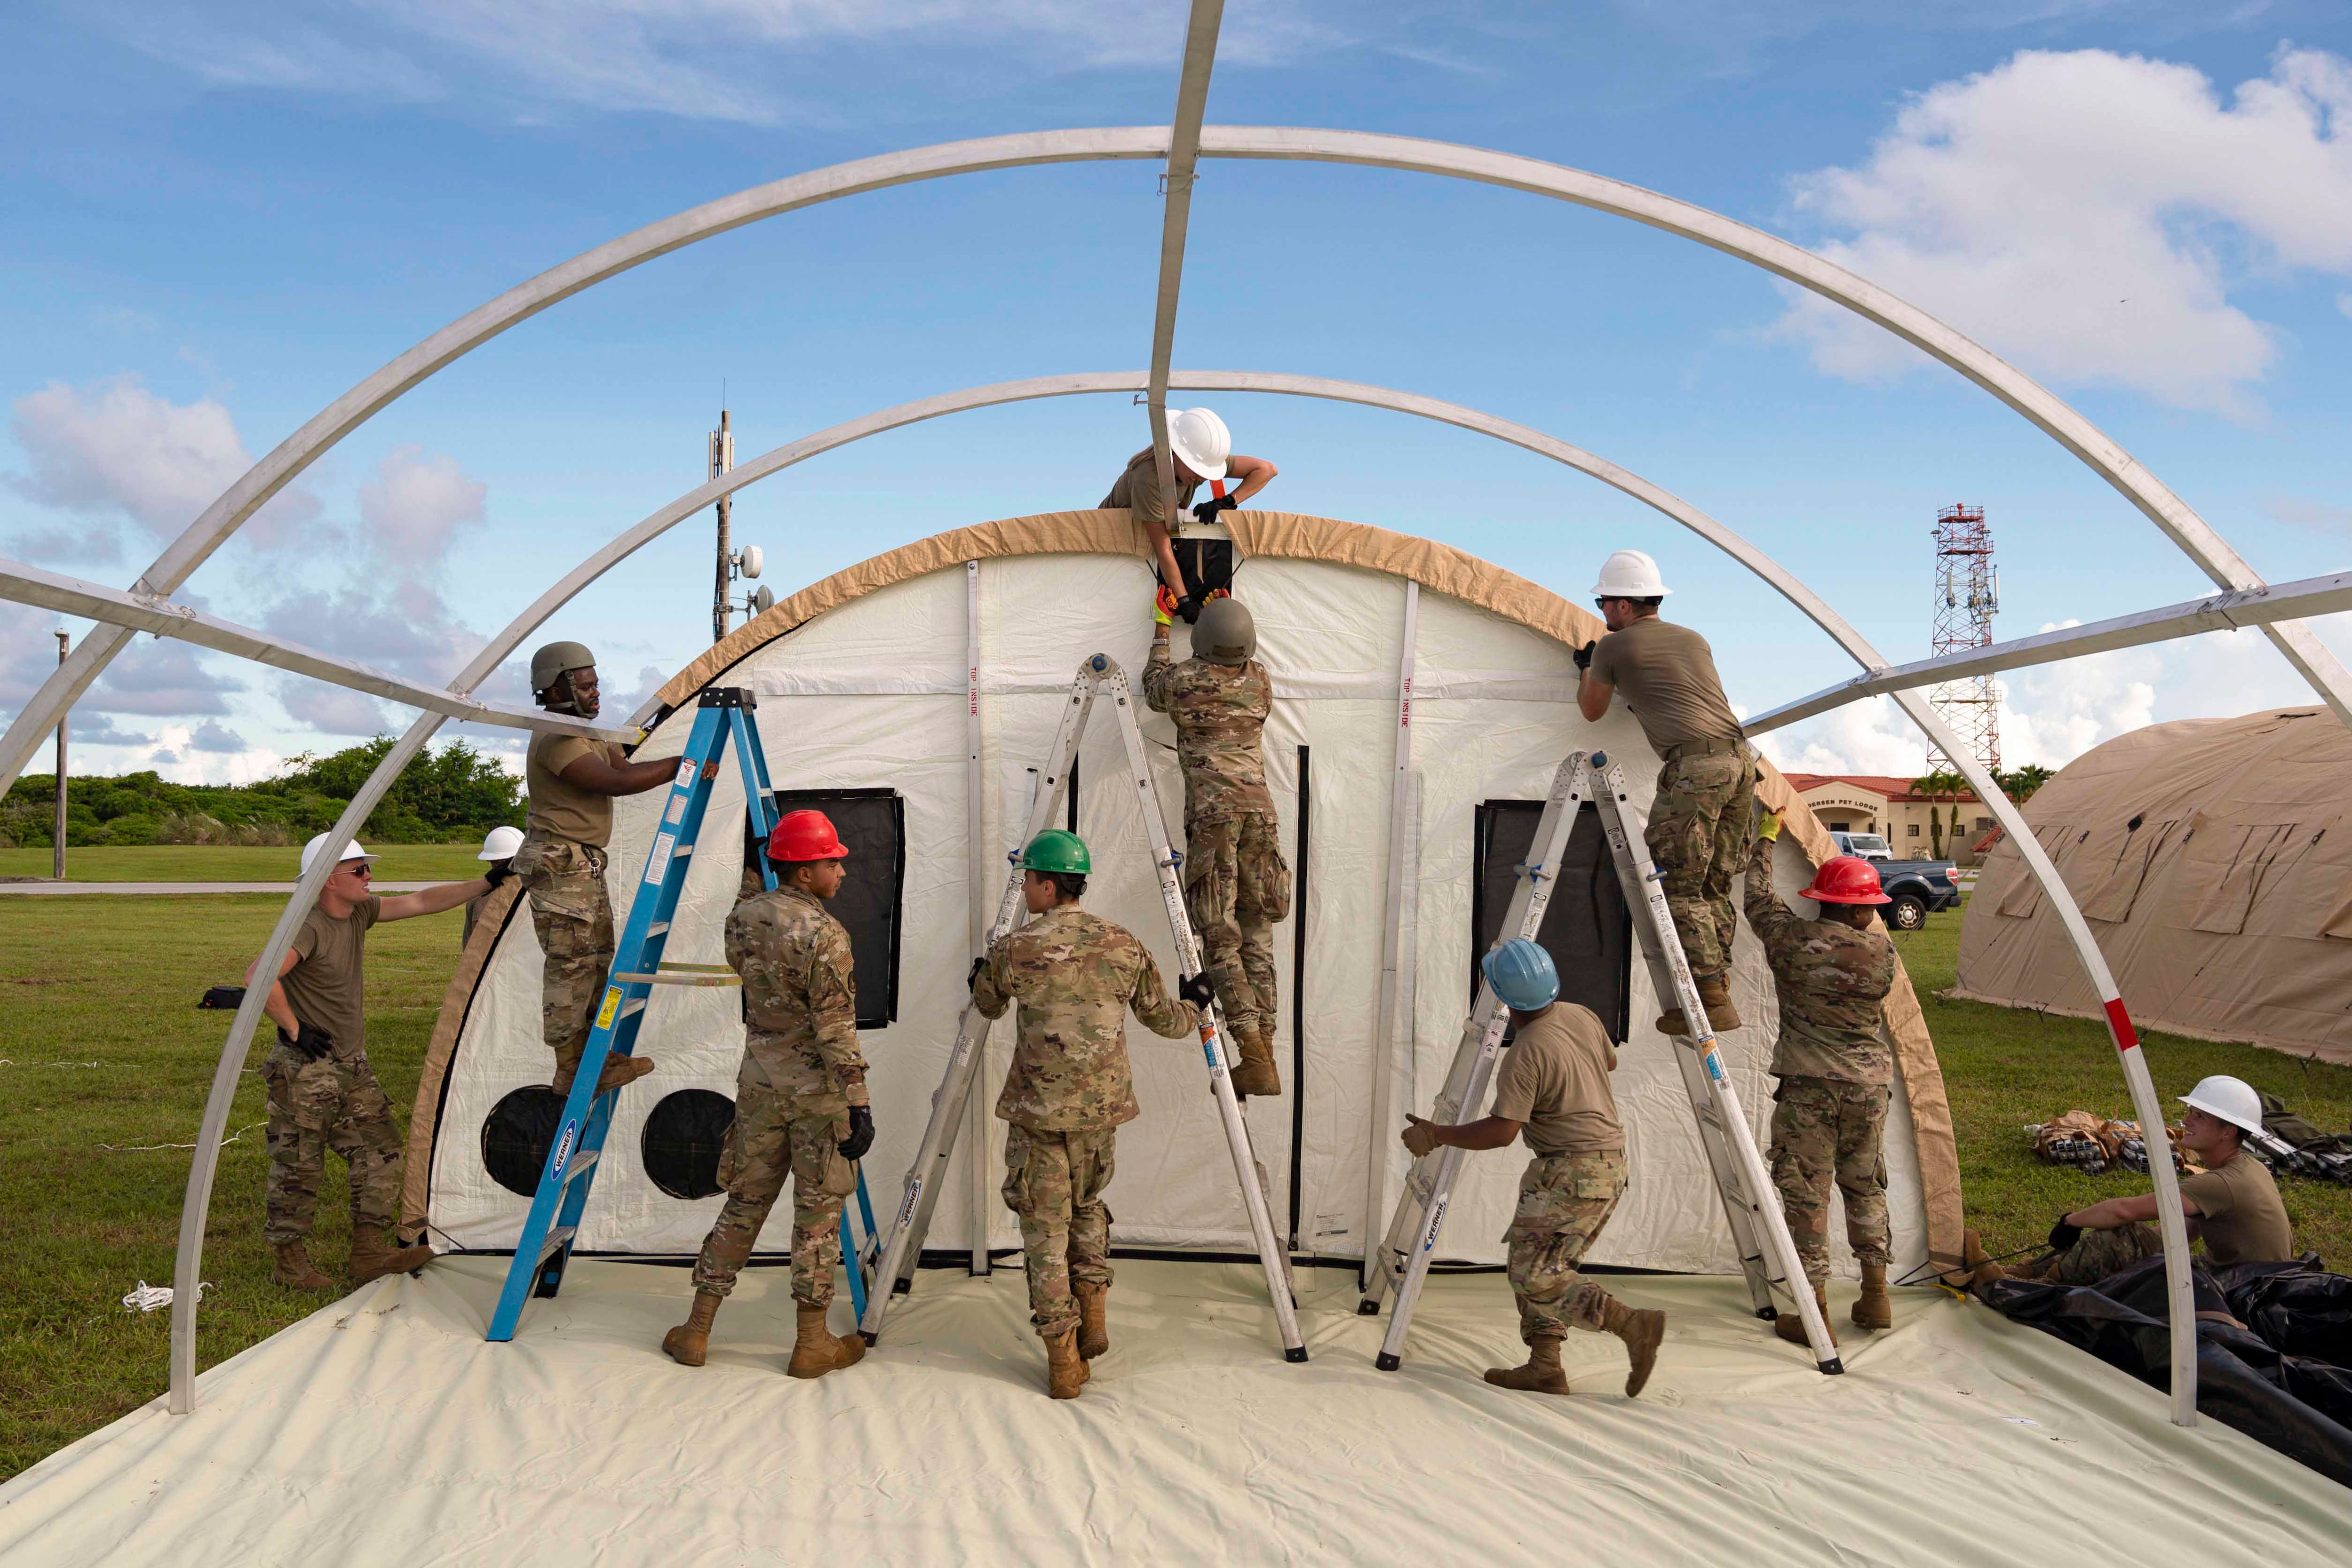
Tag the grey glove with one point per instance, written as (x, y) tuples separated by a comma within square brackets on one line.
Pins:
[(1583, 656), (971, 981), (2063, 1235), (1196, 989), (861, 1133), (499, 872), (310, 1040), (1213, 506)]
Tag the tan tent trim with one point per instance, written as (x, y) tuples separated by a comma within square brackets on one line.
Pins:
[(416, 1174)]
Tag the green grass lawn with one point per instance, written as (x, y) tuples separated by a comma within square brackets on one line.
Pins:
[(234, 863), (113, 981)]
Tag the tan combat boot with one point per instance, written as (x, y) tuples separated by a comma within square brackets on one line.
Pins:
[(818, 1349), (1644, 1330), (1715, 996), (1541, 1375), (688, 1343), (1790, 1325), (374, 1255), (1065, 1369), (619, 1073), (1256, 1072), (1094, 1334), (1873, 1311), (293, 1267)]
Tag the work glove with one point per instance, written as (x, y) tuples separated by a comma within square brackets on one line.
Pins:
[(1189, 608), (1583, 656), (1196, 989), (2063, 1235), (1419, 1136), (861, 1133), (1213, 506), (971, 981), (1768, 825), (499, 872), (310, 1040), (1163, 606)]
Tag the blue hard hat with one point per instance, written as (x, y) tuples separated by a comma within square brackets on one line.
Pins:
[(1522, 975)]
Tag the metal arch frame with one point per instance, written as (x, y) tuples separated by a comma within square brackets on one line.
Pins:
[(2174, 516), (224, 1080)]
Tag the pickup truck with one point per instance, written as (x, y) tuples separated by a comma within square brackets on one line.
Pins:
[(1919, 888)]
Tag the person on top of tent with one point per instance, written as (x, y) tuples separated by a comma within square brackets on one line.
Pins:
[(322, 1093), (1069, 1087), (1236, 883), (2233, 1205), (1698, 819), (800, 1102), (1836, 1065), (571, 781), (1202, 448), (1555, 1091)]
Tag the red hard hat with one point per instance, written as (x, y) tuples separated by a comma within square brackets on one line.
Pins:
[(805, 835), (1847, 880)]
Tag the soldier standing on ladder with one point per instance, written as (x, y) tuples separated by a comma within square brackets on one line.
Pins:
[(1236, 883), (800, 1104), (1069, 1088), (572, 780), (1698, 820), (1202, 448), (1555, 1090), (1836, 1064)]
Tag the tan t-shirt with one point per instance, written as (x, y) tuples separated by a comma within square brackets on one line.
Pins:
[(561, 810), (1138, 490), (1666, 675), (328, 987), (2239, 1213), (1555, 1080)]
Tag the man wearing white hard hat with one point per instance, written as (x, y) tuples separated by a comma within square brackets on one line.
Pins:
[(1698, 822), (1203, 450), (2232, 1205), (499, 848), (322, 1093)]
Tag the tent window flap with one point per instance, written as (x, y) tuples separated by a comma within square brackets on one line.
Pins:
[(1587, 930), (872, 824)]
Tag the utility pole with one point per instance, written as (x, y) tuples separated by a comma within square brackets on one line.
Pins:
[(57, 831), (723, 459), (1968, 593)]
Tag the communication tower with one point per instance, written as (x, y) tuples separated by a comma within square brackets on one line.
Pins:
[(1967, 593)]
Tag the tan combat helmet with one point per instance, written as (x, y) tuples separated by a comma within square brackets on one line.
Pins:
[(1225, 633), (555, 660)]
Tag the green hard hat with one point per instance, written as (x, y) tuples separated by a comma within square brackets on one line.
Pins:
[(1055, 850), (550, 663)]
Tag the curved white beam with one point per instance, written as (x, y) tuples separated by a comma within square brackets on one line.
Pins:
[(1183, 151), (2143, 1089), (42, 714)]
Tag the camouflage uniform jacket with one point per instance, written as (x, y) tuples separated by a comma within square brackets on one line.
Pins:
[(1220, 712), (1833, 981), (1074, 977), (800, 998)]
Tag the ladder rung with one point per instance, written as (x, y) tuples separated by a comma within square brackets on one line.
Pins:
[(555, 1241), (657, 928), (633, 1006), (582, 1163)]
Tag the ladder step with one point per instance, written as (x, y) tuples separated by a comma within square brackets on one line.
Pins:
[(582, 1163), (658, 929), (554, 1242), (633, 1006)]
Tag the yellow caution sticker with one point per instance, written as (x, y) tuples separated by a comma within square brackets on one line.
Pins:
[(612, 1005)]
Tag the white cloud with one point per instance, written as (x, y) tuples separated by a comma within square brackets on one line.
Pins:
[(415, 504), (332, 710), (2311, 514), (115, 449), (1868, 737), (2087, 215)]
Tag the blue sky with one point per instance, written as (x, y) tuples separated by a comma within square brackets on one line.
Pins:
[(224, 217)]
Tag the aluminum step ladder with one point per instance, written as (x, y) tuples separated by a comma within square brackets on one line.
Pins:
[(545, 1248), (902, 1247), (1760, 1231)]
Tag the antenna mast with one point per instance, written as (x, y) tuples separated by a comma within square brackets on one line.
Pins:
[(1968, 593), (723, 459)]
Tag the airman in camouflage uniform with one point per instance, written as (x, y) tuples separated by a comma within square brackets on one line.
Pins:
[(1836, 1067), (801, 1107), (1069, 1088), (1236, 883)]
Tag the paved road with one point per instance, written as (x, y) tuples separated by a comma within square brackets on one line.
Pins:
[(64, 889)]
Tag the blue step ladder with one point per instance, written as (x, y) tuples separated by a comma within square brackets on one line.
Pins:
[(544, 1246)]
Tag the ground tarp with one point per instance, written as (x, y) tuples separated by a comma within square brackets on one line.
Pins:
[(383, 1430)]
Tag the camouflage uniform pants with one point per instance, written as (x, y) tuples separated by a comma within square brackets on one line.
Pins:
[(776, 1135), (1564, 1200), (1823, 1127), (2099, 1253), (1237, 886), (1698, 836), (572, 912), (1054, 1182), (314, 1106)]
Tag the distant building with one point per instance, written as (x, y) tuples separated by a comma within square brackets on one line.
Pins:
[(1879, 802)]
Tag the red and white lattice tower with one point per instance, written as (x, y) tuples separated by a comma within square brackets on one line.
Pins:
[(1967, 593)]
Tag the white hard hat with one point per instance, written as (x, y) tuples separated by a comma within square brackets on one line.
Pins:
[(351, 851), (2230, 1099), (501, 844), (1630, 574), (1201, 441)]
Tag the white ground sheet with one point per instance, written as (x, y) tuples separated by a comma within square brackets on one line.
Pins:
[(383, 1430), (872, 694)]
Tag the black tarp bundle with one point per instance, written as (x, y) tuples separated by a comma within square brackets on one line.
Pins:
[(2284, 1378)]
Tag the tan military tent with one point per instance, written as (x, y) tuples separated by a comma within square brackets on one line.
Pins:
[(2213, 860)]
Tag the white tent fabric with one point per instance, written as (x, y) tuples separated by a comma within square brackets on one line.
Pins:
[(870, 693)]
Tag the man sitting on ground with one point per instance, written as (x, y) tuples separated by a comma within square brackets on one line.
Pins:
[(2233, 1205)]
